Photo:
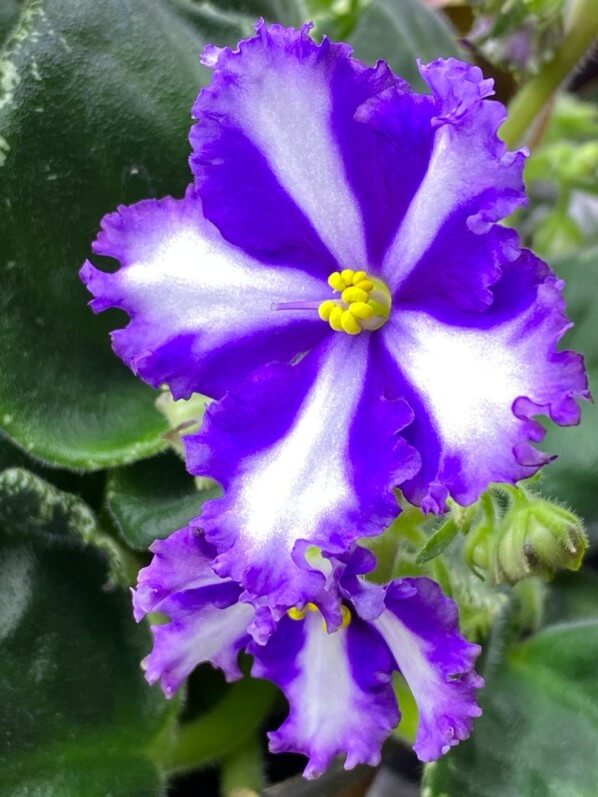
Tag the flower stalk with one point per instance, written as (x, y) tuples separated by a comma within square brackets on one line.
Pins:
[(533, 96)]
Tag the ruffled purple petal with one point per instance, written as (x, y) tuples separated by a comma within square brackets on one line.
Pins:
[(421, 628), (471, 182), (476, 381), (460, 270), (366, 596), (307, 454), (207, 622), (282, 160), (181, 562), (338, 687), (201, 310)]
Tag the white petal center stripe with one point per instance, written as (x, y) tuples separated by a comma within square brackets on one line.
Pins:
[(447, 185), (287, 113), (325, 689), (290, 488), (409, 652), (210, 637), (192, 279), (469, 379)]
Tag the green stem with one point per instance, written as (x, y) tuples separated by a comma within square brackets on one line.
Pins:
[(242, 772), (227, 727), (531, 98)]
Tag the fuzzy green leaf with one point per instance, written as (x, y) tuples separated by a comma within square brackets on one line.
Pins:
[(77, 716), (151, 499), (539, 731)]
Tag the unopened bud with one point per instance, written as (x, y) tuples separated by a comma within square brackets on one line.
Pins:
[(537, 538)]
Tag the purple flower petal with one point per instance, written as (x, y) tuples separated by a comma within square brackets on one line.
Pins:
[(280, 158), (207, 620), (307, 454), (421, 628), (471, 181), (475, 382), (201, 310), (338, 687), (181, 562), (366, 596), (460, 269)]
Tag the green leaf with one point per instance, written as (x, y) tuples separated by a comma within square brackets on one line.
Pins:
[(89, 486), (401, 31), (12, 457), (573, 596), (95, 102), (151, 499), (539, 731), (242, 772), (225, 728), (9, 12), (77, 716), (31, 505), (573, 477), (438, 542)]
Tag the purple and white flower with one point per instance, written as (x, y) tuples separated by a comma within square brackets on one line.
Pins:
[(338, 281), (337, 683)]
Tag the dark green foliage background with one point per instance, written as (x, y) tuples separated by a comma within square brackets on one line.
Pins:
[(95, 100)]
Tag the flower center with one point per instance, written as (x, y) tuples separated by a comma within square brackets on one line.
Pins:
[(364, 303), (300, 614)]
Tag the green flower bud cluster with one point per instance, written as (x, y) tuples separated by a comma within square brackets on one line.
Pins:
[(530, 536)]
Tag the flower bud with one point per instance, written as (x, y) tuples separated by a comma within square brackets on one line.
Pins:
[(537, 538)]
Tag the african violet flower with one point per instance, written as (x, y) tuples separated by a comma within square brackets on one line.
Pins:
[(338, 684), (337, 280)]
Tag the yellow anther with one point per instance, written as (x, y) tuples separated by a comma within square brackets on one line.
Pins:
[(350, 324), (346, 612), (359, 276), (365, 285), (336, 282), (348, 274), (297, 614), (345, 621), (335, 318), (325, 309), (354, 295), (361, 310)]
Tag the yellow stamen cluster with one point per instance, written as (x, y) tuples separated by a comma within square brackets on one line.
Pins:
[(365, 302)]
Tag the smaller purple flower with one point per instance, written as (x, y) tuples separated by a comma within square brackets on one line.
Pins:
[(335, 672), (207, 620)]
